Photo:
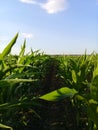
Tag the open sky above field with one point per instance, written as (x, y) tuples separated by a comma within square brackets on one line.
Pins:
[(52, 26)]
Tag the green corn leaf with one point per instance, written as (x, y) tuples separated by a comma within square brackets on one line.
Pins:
[(94, 84), (12, 67), (5, 127), (74, 77), (21, 54), (93, 111), (17, 75), (7, 82), (7, 49), (95, 73), (94, 88), (59, 94)]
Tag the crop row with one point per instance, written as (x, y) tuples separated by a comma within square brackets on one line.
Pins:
[(39, 91)]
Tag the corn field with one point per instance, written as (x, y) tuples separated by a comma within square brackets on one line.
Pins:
[(44, 92)]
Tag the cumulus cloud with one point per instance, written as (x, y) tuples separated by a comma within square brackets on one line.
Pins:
[(55, 6), (50, 6), (28, 1), (27, 35)]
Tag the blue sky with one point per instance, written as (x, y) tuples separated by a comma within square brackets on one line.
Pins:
[(52, 26)]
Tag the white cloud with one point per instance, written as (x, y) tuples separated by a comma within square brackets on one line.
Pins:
[(55, 6), (50, 6), (27, 35), (28, 1)]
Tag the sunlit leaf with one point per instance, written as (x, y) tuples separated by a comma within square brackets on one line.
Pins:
[(59, 94), (5, 127), (74, 77), (8, 48)]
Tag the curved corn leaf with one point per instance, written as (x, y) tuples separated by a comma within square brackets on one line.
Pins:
[(5, 127), (21, 54), (7, 49), (8, 82), (59, 94)]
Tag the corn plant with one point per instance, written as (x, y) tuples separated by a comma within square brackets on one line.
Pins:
[(27, 79), (82, 84), (13, 80)]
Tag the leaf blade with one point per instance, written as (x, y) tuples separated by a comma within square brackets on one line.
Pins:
[(59, 94), (7, 49)]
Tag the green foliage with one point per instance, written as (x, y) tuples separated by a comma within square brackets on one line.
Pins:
[(93, 102), (81, 75), (15, 84), (27, 80)]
